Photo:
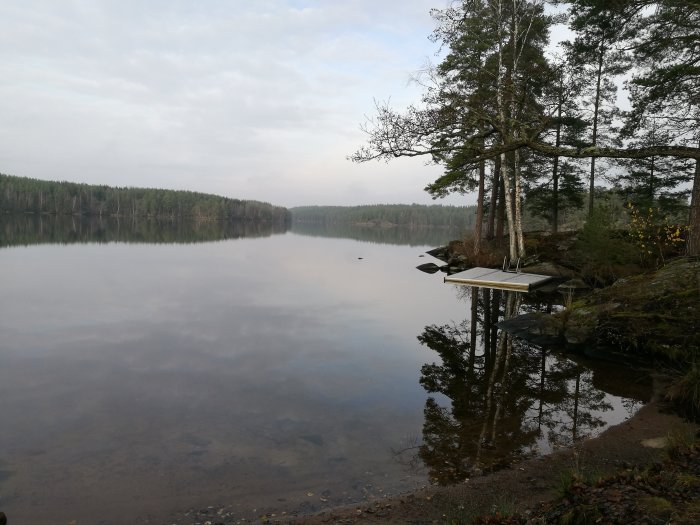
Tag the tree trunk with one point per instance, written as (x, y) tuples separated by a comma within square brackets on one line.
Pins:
[(594, 138), (555, 167), (501, 216), (503, 121), (694, 220), (518, 205), (651, 183), (512, 246), (479, 208), (495, 185)]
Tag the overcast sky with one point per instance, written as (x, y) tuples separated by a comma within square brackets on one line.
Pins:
[(251, 99)]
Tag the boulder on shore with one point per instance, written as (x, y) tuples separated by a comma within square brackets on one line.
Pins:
[(655, 314)]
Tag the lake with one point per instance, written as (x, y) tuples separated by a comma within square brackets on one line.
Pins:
[(151, 370)]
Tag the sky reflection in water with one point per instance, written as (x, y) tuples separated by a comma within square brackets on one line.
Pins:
[(140, 380)]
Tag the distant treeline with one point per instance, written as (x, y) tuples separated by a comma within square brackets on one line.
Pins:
[(33, 228), (395, 235), (25, 195), (411, 215)]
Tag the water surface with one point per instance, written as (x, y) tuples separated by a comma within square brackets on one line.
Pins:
[(263, 373)]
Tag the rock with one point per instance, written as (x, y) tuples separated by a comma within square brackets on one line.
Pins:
[(580, 326), (553, 269), (428, 267), (441, 253), (566, 244), (572, 285), (536, 327)]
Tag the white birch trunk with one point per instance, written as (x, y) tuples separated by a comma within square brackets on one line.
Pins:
[(518, 206), (505, 168)]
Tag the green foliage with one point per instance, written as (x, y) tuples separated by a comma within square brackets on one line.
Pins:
[(541, 199), (430, 236), (601, 251), (25, 195), (658, 182), (411, 215)]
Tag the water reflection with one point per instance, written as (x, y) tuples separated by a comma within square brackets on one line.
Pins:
[(418, 236), (503, 398), (141, 380), (27, 229)]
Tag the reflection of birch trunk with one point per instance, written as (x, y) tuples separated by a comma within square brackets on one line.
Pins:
[(474, 319), (576, 396), (542, 383), (496, 304), (499, 401), (501, 348), (487, 321), (500, 368), (512, 306)]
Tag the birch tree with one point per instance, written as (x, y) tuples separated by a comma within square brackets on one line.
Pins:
[(482, 100)]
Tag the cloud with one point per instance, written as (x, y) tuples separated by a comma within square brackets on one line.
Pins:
[(232, 97)]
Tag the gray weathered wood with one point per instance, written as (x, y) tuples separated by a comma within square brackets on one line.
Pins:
[(490, 278)]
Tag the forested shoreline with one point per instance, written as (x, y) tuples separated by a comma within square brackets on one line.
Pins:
[(410, 215), (463, 218), (26, 195)]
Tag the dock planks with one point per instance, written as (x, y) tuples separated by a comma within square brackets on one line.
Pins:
[(490, 278)]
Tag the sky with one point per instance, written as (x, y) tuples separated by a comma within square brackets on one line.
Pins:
[(248, 99)]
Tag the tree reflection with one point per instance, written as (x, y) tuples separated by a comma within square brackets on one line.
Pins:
[(27, 229), (505, 399)]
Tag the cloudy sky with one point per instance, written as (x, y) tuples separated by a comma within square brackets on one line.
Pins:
[(255, 99)]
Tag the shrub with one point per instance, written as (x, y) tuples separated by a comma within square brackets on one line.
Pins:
[(654, 235), (602, 253)]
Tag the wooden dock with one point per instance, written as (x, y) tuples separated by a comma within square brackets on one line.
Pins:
[(490, 278)]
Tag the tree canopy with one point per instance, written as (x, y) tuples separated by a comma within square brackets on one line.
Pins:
[(498, 97), (22, 194)]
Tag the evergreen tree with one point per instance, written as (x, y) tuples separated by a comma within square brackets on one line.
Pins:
[(652, 182), (483, 101), (597, 51)]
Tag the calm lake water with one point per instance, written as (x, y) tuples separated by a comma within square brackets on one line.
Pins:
[(184, 367)]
